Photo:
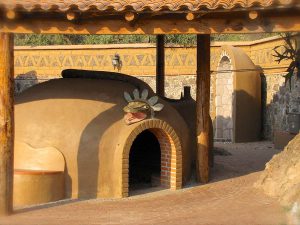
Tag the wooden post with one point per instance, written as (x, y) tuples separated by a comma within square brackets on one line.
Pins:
[(202, 106), (6, 122), (160, 65)]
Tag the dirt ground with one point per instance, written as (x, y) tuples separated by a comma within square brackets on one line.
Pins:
[(229, 199)]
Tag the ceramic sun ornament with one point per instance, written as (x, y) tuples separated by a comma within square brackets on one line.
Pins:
[(139, 107)]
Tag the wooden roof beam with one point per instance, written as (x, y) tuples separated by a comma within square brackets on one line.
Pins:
[(193, 16), (11, 14), (130, 16), (71, 16), (253, 15), (161, 25)]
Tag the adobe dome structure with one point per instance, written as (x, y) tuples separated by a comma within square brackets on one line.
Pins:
[(81, 119)]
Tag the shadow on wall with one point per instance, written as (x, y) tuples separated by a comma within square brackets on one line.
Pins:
[(244, 124), (278, 101), (87, 172), (223, 129), (239, 159), (25, 81), (263, 105), (49, 119)]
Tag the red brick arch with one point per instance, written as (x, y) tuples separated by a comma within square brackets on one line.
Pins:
[(171, 155)]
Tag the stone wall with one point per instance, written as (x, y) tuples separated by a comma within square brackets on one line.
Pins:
[(224, 101), (278, 99), (37, 64)]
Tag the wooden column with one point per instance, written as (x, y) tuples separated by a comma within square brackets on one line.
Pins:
[(6, 122), (202, 106), (160, 65)]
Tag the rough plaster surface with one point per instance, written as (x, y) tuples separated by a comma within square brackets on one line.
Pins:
[(83, 119), (281, 178)]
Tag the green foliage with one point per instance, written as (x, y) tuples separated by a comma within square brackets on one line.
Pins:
[(36, 39), (174, 39), (242, 37), (117, 39), (181, 39)]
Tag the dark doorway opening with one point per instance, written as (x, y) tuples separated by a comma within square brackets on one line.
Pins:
[(144, 162)]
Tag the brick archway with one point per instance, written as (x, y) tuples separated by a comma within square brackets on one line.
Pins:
[(171, 155)]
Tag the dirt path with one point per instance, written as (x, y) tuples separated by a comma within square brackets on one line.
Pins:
[(228, 200)]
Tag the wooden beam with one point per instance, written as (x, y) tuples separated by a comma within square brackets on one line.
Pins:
[(276, 23), (202, 106), (6, 122), (130, 16), (71, 16), (253, 15), (160, 65), (11, 14), (190, 16)]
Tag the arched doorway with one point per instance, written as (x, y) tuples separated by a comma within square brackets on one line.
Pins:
[(144, 162), (157, 148)]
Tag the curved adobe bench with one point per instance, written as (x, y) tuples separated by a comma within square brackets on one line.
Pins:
[(38, 175)]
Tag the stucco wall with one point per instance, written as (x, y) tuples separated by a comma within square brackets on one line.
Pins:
[(37, 64), (83, 119)]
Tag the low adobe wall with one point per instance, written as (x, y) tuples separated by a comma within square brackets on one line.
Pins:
[(37, 187)]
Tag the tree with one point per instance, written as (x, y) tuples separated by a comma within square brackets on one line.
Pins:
[(291, 51)]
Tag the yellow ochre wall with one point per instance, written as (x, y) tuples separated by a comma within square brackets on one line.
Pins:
[(137, 59)]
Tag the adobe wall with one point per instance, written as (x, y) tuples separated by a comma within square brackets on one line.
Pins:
[(37, 64), (83, 119)]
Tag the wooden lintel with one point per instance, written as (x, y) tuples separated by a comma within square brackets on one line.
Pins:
[(202, 107), (160, 65), (11, 14), (190, 16), (130, 16), (6, 122), (71, 16), (253, 15), (154, 26)]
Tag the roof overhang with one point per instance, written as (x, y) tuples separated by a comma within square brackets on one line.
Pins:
[(142, 5), (149, 16)]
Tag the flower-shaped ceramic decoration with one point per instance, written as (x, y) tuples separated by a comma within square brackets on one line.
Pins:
[(139, 107)]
